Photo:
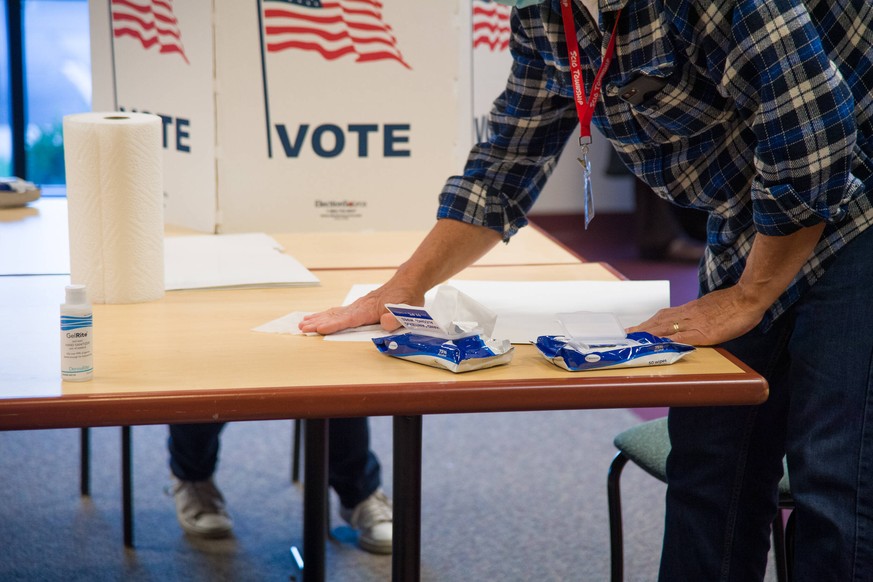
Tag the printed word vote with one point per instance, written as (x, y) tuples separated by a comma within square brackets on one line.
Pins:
[(175, 131), (329, 140)]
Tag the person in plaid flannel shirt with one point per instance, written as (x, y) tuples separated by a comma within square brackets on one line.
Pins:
[(759, 112)]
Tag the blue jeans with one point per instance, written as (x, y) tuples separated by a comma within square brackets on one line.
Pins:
[(353, 469), (726, 462)]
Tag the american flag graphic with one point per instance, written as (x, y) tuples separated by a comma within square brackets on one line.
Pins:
[(490, 25), (333, 28), (151, 22)]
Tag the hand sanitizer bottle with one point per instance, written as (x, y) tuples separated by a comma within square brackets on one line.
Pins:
[(77, 358)]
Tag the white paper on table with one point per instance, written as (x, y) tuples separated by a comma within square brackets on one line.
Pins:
[(289, 325), (363, 333), (231, 261), (527, 309)]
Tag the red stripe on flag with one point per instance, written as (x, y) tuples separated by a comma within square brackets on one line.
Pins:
[(490, 25), (346, 27)]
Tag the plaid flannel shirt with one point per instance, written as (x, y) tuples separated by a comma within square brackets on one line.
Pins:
[(765, 120)]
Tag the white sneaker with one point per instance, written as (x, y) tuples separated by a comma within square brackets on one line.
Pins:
[(200, 508), (374, 520)]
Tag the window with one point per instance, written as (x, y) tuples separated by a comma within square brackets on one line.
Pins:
[(5, 127), (57, 70)]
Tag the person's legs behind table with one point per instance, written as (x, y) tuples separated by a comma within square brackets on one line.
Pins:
[(354, 473), (200, 506), (725, 463)]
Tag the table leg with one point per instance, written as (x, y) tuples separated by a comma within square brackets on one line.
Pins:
[(406, 558), (126, 486), (315, 499), (85, 461), (295, 451)]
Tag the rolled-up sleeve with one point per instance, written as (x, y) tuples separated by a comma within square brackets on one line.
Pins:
[(529, 126)]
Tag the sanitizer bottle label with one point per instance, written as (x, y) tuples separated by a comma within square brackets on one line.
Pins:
[(76, 353)]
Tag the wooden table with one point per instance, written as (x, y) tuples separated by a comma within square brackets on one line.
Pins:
[(192, 357), (190, 349), (34, 241)]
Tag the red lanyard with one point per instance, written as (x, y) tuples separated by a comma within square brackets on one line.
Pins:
[(584, 107)]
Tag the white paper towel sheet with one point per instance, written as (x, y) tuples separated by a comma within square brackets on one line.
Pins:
[(115, 201)]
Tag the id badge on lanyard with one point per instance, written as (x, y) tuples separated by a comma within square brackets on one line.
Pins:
[(585, 105)]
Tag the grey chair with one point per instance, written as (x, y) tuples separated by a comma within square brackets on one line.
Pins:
[(648, 445)]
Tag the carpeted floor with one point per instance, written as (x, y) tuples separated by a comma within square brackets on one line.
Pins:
[(517, 496)]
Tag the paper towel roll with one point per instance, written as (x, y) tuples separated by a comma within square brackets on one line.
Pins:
[(115, 202)]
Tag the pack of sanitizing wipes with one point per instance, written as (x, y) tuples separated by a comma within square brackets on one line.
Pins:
[(457, 355), (453, 332), (638, 349)]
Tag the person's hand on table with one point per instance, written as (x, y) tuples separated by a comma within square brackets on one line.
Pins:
[(448, 248), (728, 313), (367, 310), (710, 320)]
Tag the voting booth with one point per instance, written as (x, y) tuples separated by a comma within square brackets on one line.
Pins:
[(303, 115), (292, 115)]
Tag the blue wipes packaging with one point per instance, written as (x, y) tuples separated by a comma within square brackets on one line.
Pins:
[(458, 355), (639, 349)]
